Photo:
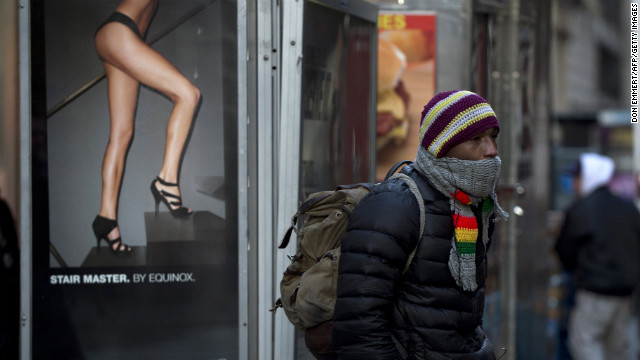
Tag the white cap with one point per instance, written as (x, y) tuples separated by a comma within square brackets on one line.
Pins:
[(596, 170)]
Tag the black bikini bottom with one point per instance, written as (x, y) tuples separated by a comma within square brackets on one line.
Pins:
[(123, 19)]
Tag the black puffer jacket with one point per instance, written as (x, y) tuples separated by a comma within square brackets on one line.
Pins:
[(424, 309)]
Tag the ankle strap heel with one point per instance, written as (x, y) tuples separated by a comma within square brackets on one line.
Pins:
[(172, 201)]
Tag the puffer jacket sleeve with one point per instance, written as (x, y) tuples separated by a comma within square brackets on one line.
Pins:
[(382, 232)]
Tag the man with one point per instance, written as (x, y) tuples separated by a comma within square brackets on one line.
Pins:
[(600, 244), (433, 310)]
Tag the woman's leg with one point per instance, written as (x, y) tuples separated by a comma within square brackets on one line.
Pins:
[(120, 47), (122, 93)]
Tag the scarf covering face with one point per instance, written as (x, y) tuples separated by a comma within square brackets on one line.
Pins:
[(469, 185)]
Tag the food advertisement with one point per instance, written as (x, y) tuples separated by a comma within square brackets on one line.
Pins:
[(406, 82)]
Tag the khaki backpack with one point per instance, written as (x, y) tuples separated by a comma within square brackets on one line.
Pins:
[(308, 286)]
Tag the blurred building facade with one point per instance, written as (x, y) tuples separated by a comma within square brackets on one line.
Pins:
[(590, 100), (591, 84)]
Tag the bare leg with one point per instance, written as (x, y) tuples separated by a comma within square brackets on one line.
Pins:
[(122, 92)]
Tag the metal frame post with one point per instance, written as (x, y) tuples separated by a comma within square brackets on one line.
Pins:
[(288, 150), (510, 105), (24, 31), (243, 184), (265, 62)]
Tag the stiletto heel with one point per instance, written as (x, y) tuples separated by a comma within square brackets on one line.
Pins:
[(101, 228), (165, 197)]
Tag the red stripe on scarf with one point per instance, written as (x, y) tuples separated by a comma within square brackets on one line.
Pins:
[(467, 222)]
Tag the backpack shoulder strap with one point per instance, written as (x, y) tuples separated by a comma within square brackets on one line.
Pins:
[(397, 166), (414, 189), (310, 203)]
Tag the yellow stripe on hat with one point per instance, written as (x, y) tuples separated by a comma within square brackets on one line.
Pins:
[(434, 111), (477, 113)]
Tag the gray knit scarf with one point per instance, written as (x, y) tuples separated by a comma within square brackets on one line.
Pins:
[(466, 183)]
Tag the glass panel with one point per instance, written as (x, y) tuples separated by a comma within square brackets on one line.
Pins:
[(337, 108), (336, 99)]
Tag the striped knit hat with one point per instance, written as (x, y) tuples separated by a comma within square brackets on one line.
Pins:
[(453, 117)]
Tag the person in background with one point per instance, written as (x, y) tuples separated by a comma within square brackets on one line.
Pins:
[(599, 243), (433, 310)]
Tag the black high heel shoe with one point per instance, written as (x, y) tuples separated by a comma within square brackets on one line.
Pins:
[(165, 197), (101, 228)]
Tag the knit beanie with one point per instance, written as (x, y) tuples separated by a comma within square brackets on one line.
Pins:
[(453, 117)]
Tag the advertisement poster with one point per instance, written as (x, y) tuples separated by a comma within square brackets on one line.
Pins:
[(134, 179), (406, 82)]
